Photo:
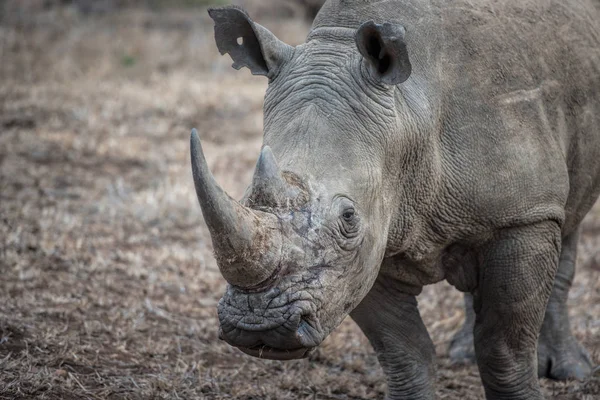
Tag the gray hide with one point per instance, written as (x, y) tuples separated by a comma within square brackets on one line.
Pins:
[(408, 142)]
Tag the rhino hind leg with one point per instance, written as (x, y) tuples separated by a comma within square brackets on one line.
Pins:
[(391, 321), (461, 348), (560, 356)]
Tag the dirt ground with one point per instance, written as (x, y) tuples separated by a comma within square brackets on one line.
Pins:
[(108, 286)]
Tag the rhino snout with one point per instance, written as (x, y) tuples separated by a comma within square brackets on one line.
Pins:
[(271, 324)]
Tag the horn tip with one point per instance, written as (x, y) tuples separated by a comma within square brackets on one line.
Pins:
[(266, 154), (267, 166), (199, 167), (195, 141)]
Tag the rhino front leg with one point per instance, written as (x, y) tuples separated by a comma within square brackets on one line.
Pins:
[(392, 323), (515, 282), (560, 356)]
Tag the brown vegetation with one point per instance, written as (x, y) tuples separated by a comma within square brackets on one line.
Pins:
[(108, 287)]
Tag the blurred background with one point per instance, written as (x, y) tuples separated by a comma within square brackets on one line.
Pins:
[(108, 287)]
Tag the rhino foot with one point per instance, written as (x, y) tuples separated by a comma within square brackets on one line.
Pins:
[(568, 360), (558, 361), (560, 356)]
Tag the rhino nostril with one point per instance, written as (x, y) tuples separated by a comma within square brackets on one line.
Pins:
[(303, 326), (308, 332)]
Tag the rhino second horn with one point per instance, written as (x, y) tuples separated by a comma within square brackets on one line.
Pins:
[(247, 243), (269, 187)]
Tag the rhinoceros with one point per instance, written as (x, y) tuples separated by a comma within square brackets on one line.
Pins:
[(406, 143)]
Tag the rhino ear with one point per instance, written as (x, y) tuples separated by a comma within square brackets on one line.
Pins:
[(384, 51), (249, 44)]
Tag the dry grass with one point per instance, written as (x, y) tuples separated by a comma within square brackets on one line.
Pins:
[(108, 285)]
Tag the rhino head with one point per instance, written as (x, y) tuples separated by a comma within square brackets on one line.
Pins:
[(304, 245)]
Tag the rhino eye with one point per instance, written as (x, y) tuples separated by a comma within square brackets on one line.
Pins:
[(349, 224), (348, 214)]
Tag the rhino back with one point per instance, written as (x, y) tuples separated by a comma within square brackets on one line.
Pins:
[(522, 82), (513, 101)]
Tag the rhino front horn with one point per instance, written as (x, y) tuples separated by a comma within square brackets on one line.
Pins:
[(247, 243)]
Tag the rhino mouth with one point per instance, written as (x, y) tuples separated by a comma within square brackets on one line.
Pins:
[(281, 343), (271, 353)]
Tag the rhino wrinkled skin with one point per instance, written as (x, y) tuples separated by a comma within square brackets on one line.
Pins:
[(408, 142)]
